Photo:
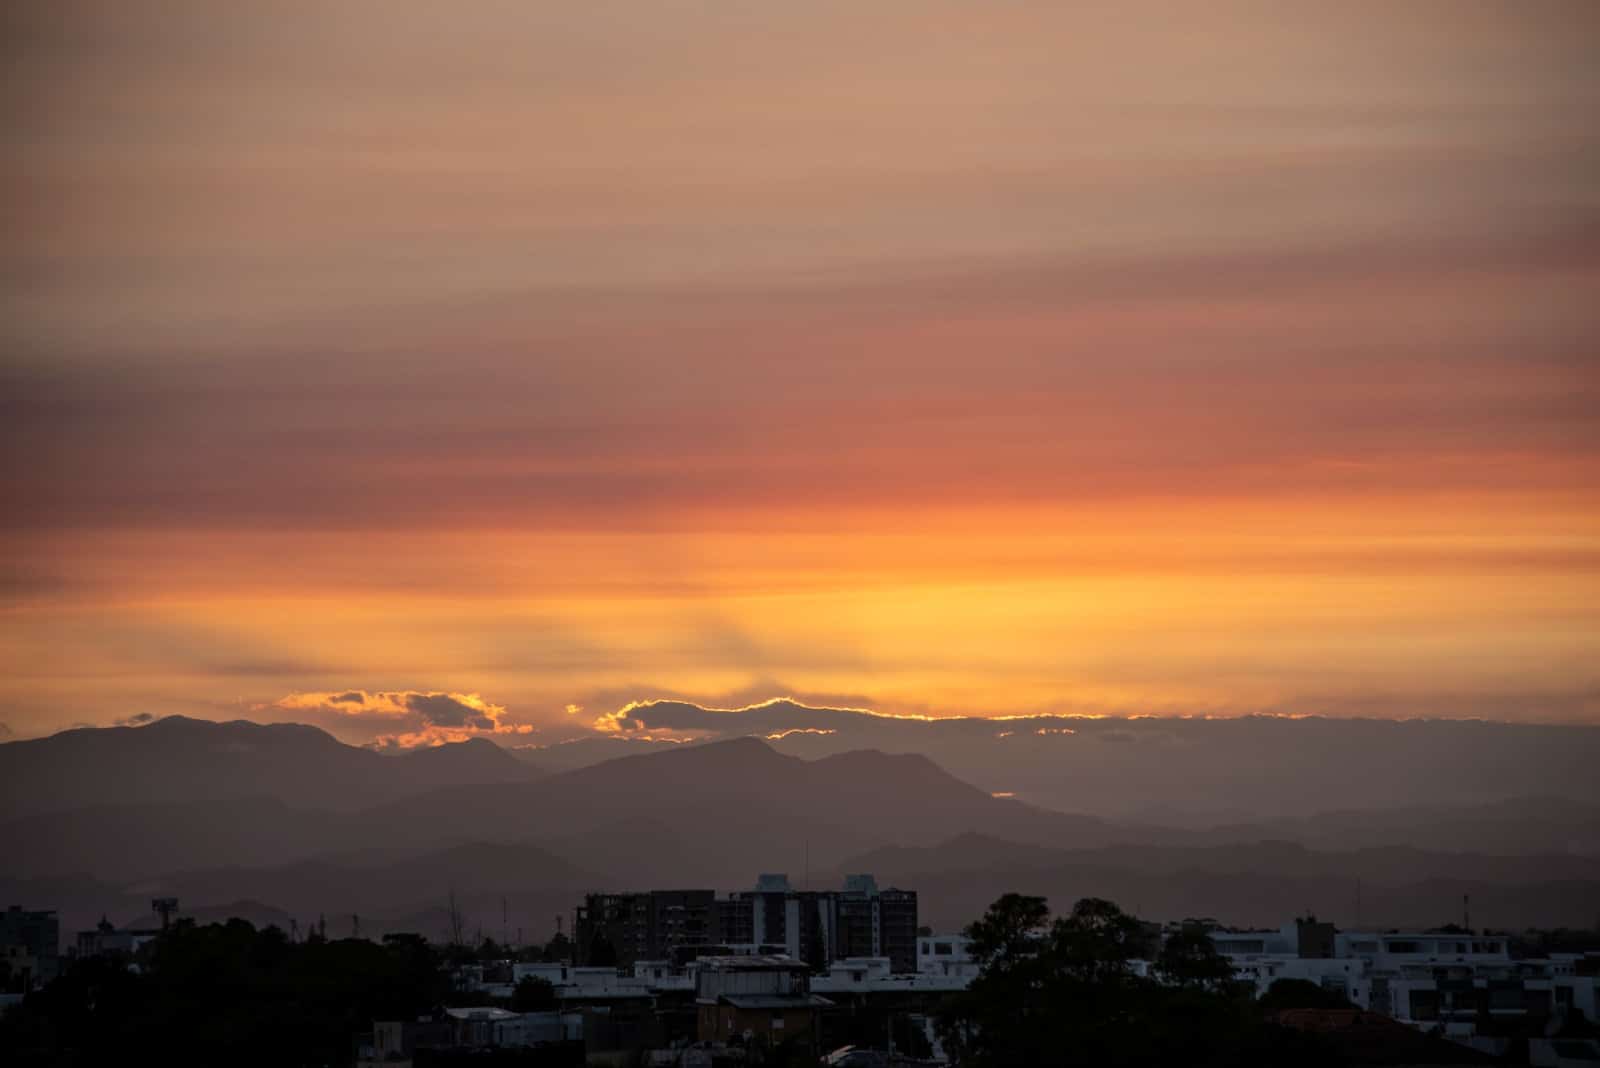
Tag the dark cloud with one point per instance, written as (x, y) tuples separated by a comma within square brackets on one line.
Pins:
[(136, 720), (767, 717), (449, 710), (401, 719)]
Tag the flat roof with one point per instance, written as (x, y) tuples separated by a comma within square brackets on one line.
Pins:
[(755, 962), (775, 1001), (482, 1013)]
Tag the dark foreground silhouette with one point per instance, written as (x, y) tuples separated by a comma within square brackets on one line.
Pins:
[(1060, 991), (225, 993)]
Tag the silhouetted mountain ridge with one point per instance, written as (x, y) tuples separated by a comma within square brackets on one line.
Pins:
[(714, 815), (178, 759)]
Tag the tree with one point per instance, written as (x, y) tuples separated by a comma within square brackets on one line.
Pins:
[(1300, 994), (1190, 958), (558, 948), (1010, 929), (1064, 993), (224, 993), (533, 994), (1095, 941), (995, 1020)]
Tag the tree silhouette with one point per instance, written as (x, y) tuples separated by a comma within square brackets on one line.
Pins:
[(224, 993), (533, 994), (1190, 958), (558, 949), (1064, 993)]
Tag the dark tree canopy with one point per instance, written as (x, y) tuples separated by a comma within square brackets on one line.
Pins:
[(1300, 994), (532, 994), (1065, 993), (1190, 958), (1010, 929), (224, 993)]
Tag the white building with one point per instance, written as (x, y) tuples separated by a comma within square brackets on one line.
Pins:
[(946, 954), (1428, 979)]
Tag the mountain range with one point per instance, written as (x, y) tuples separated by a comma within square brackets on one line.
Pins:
[(288, 819), (177, 759), (1171, 770)]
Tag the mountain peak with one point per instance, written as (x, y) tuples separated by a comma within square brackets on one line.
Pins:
[(179, 758)]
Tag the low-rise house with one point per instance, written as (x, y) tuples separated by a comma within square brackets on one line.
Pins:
[(767, 997), (945, 954)]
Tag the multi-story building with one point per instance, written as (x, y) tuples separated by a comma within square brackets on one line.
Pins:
[(897, 927), (645, 926), (819, 926), (815, 926), (1454, 980)]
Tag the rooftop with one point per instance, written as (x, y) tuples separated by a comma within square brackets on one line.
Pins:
[(482, 1013), (776, 1001), (754, 962)]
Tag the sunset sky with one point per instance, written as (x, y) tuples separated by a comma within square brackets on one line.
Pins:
[(932, 358)]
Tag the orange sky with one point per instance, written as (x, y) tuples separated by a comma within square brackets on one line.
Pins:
[(934, 358)]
